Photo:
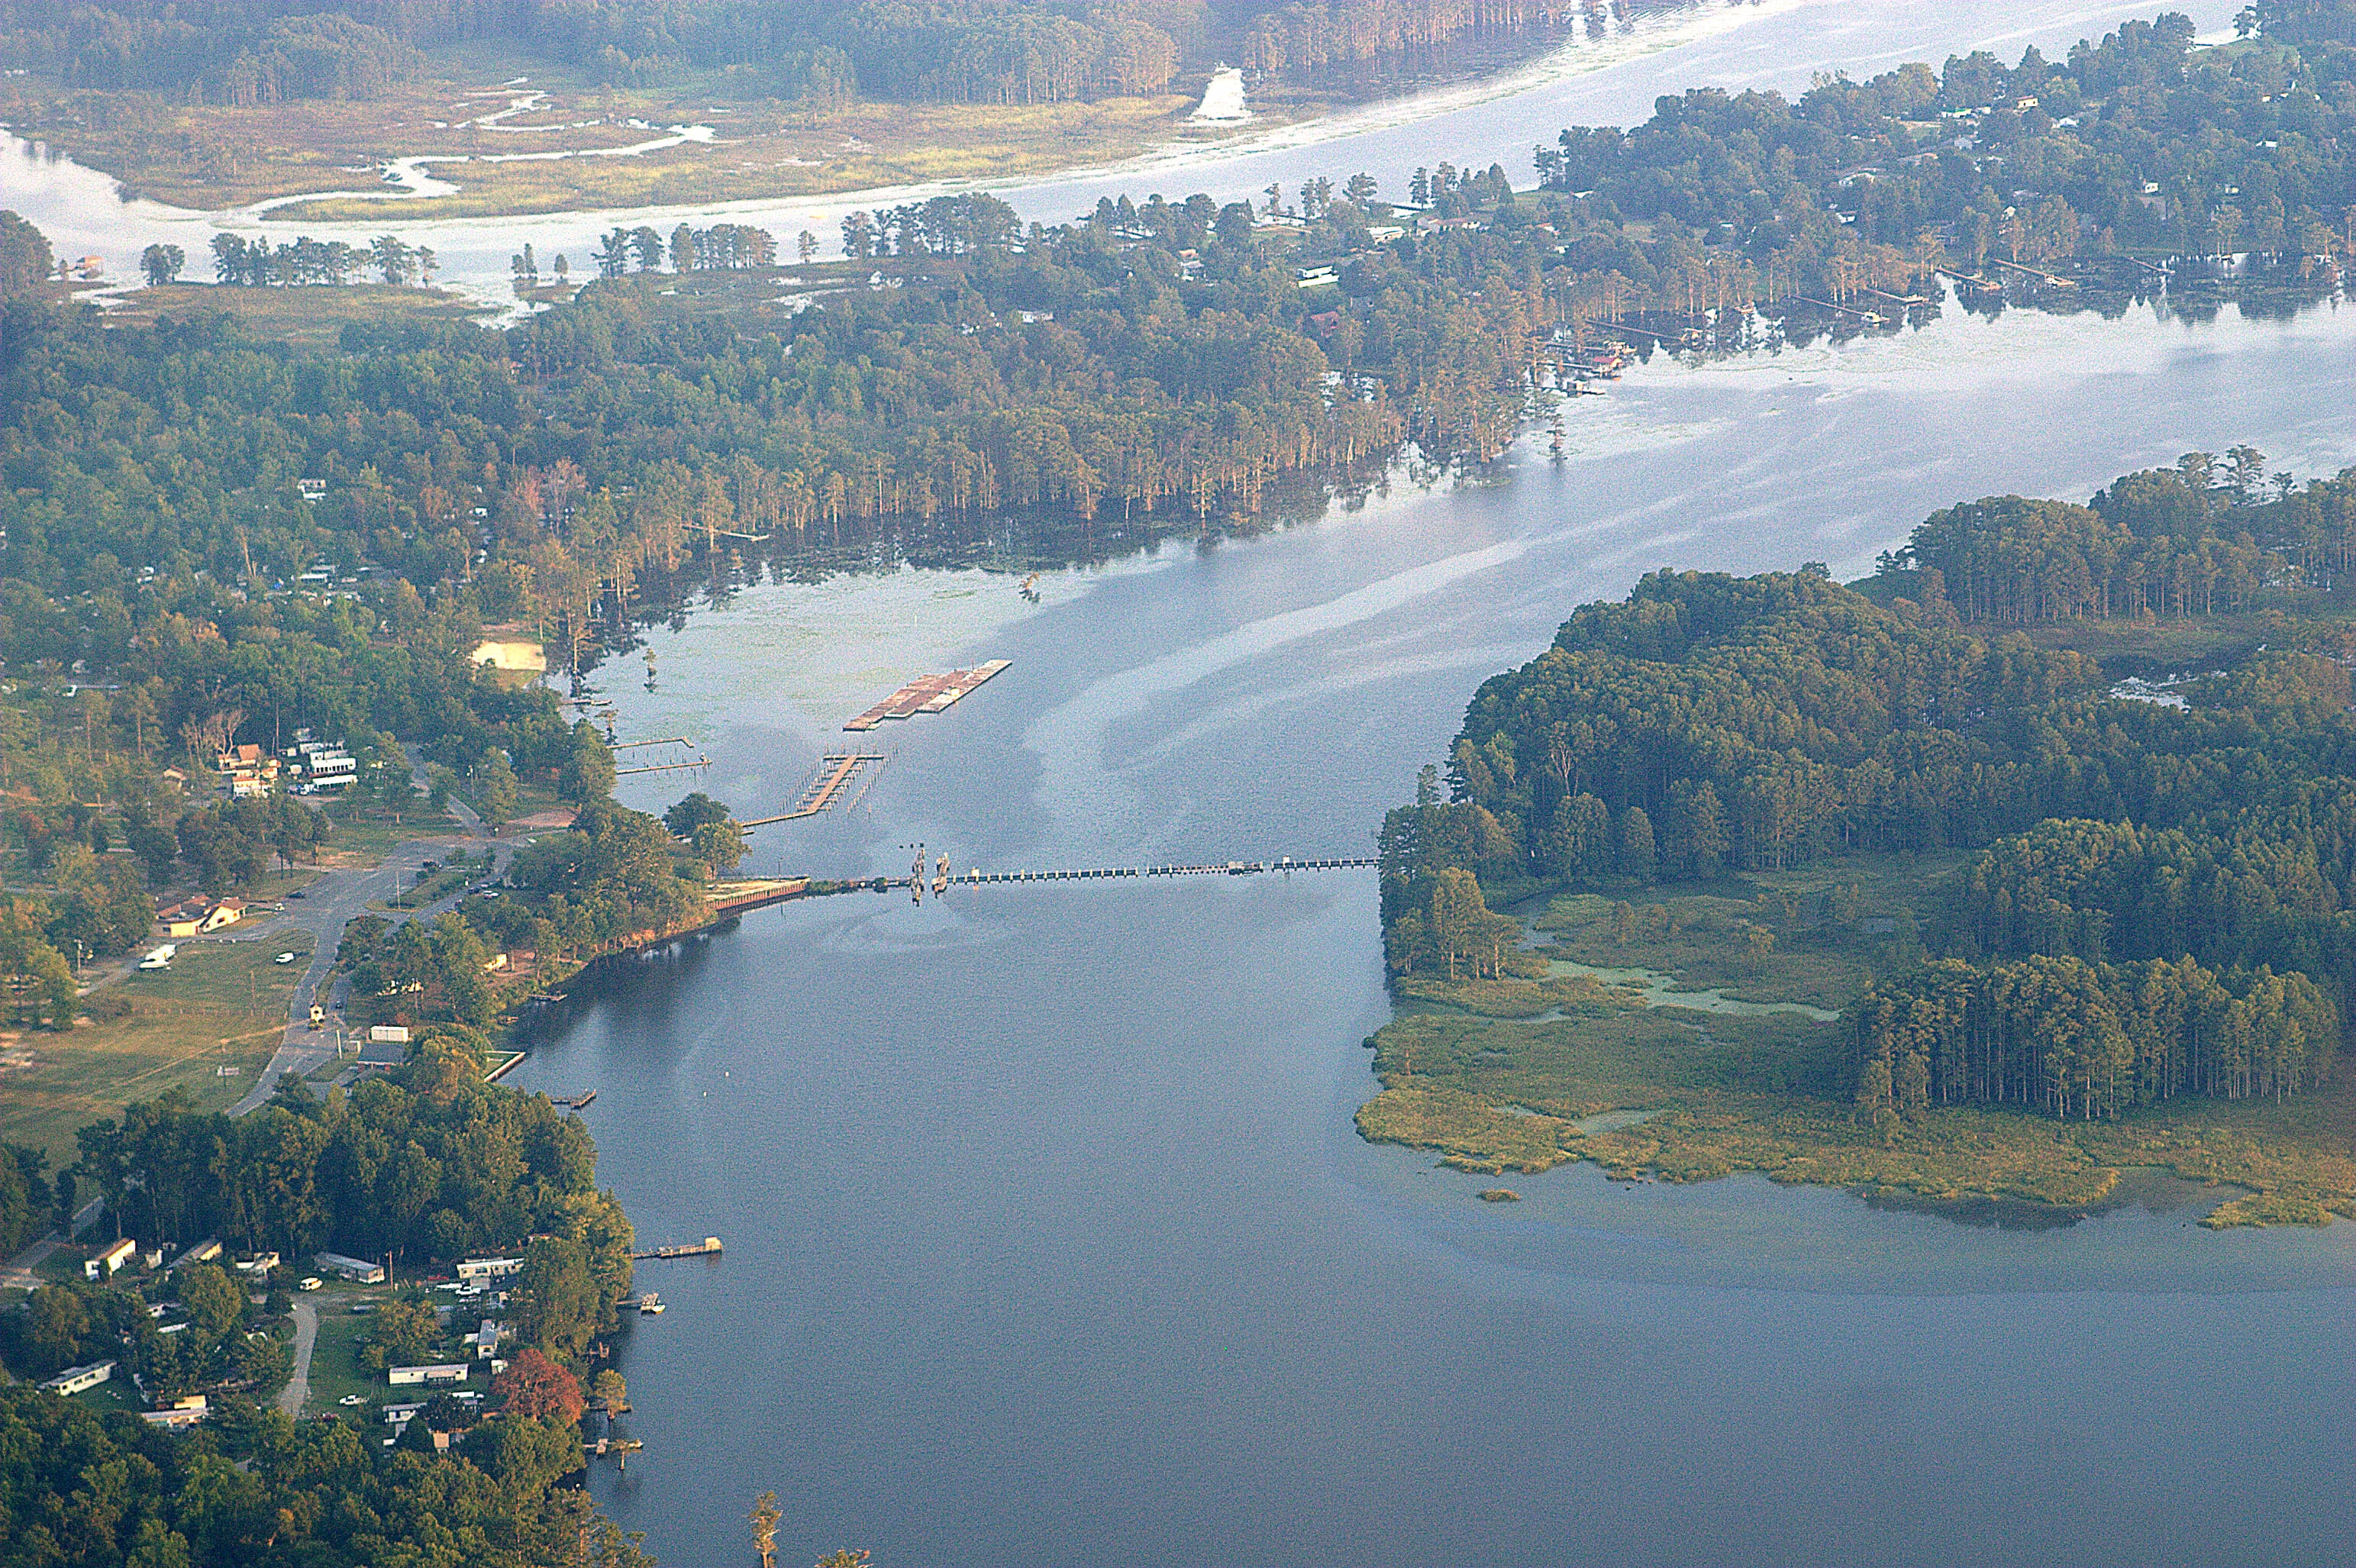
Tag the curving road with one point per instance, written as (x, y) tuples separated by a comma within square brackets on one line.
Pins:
[(325, 908)]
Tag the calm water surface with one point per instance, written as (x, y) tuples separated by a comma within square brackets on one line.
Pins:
[(1049, 1237)]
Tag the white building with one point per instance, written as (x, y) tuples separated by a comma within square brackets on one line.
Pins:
[(73, 1380), (359, 1270), (474, 1271), (434, 1376), (110, 1261)]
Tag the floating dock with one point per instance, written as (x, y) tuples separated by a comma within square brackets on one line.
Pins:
[(928, 694)]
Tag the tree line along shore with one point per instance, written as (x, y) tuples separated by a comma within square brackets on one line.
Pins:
[(2061, 929), (229, 102), (2034, 870)]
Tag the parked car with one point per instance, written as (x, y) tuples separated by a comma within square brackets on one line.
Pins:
[(308, 1281), (283, 958)]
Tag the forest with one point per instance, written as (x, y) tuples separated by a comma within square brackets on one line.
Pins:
[(244, 52), (2140, 140), (429, 1162), (94, 1490), (2159, 889)]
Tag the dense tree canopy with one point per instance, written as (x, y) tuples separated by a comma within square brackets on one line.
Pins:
[(961, 51), (429, 1162), (85, 1491), (2159, 897)]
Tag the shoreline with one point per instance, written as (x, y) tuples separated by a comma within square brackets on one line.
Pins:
[(1184, 142)]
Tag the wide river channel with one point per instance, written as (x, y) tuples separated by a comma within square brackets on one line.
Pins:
[(1049, 1237)]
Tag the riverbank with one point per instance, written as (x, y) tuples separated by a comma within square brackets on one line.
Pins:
[(1656, 1036), (485, 131), (518, 137)]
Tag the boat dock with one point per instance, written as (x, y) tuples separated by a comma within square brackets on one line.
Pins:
[(928, 694), (735, 898), (833, 776), (708, 1247)]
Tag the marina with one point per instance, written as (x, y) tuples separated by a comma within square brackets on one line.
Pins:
[(834, 775)]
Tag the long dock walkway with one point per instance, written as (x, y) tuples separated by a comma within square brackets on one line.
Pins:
[(979, 877), (835, 772)]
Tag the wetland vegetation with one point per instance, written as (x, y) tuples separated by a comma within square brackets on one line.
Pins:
[(1956, 913), (229, 102)]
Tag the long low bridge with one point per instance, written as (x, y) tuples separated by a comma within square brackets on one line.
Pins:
[(941, 880)]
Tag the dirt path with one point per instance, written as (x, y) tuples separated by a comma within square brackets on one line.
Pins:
[(19, 1272), (306, 1334)]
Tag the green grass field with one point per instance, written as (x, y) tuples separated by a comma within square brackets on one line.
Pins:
[(221, 1005), (335, 1370)]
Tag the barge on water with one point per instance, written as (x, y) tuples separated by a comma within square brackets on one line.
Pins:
[(928, 694)]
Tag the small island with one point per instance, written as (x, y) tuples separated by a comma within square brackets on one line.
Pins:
[(1836, 884)]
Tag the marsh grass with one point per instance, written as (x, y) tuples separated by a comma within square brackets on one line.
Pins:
[(1492, 1081), (212, 158)]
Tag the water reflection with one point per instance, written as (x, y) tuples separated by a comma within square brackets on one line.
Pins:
[(1050, 1234)]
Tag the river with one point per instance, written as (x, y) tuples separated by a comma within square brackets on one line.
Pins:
[(1049, 1238), (1734, 44)]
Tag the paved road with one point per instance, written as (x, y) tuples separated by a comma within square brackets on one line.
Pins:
[(20, 1271), (306, 1334), (328, 905)]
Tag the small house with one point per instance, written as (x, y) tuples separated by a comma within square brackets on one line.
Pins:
[(433, 1376), (474, 1271), (179, 1413), (73, 1380), (203, 1252), (110, 1261), (358, 1270)]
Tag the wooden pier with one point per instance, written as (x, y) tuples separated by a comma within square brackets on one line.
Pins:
[(736, 897), (708, 1247), (1977, 284), (2055, 278), (834, 775)]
